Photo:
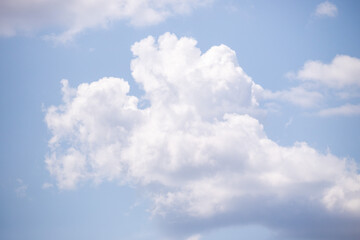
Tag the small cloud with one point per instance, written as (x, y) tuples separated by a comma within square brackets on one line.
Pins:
[(194, 237), (231, 8), (344, 110), (47, 185), (337, 79), (21, 189), (289, 122), (326, 9), (343, 71), (290, 75)]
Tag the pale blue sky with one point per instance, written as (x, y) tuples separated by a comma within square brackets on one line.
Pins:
[(270, 38)]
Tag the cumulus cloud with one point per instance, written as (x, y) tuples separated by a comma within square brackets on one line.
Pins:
[(343, 71), (73, 16), (204, 161), (327, 9), (344, 110)]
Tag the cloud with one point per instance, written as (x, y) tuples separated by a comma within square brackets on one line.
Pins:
[(21, 189), (196, 150), (337, 80), (194, 237), (74, 16), (289, 122), (343, 71), (344, 110), (47, 185), (326, 9), (299, 96)]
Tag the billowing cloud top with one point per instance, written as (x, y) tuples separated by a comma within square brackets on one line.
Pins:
[(201, 158), (17, 16)]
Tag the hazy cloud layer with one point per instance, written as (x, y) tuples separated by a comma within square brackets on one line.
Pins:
[(197, 150), (73, 16)]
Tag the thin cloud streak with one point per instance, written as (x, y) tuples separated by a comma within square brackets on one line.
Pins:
[(344, 110)]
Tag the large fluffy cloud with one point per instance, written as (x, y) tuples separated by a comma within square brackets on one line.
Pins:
[(73, 16), (197, 150)]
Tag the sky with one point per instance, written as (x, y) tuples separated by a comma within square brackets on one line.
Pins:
[(179, 120)]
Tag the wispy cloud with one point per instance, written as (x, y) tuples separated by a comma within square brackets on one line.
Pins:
[(195, 149), (21, 189), (344, 110), (299, 96), (17, 16), (47, 185), (327, 9), (289, 122)]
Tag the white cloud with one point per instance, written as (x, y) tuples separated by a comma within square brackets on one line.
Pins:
[(339, 79), (73, 16), (327, 9), (195, 150), (344, 110), (343, 71)]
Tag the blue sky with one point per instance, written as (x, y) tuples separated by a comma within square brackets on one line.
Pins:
[(235, 120)]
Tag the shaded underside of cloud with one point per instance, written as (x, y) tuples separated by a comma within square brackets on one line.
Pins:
[(197, 150), (74, 16)]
